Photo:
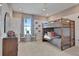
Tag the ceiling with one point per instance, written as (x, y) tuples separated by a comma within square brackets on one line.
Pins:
[(36, 8)]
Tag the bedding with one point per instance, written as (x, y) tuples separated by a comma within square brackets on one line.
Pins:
[(53, 40), (56, 42), (46, 37)]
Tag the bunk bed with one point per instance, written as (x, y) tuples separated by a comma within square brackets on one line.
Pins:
[(60, 33)]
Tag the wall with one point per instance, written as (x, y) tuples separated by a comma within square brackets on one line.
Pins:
[(38, 27), (16, 24), (4, 9)]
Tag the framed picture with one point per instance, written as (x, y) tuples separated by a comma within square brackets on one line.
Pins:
[(36, 28), (36, 22), (39, 30), (38, 25)]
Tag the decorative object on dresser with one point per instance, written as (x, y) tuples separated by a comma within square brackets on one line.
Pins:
[(11, 34)]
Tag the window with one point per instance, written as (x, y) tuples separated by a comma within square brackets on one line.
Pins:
[(27, 25)]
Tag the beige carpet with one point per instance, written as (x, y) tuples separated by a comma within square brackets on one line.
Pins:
[(44, 49)]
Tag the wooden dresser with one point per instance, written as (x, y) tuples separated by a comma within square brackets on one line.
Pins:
[(10, 46)]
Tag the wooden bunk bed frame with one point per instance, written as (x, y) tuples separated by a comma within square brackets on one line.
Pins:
[(65, 23)]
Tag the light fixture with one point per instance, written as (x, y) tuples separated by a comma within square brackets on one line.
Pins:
[(44, 9), (0, 4)]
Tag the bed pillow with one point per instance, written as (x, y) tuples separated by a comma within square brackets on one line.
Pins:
[(53, 34), (49, 34), (46, 37)]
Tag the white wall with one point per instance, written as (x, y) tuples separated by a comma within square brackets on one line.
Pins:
[(39, 20), (16, 24), (4, 9)]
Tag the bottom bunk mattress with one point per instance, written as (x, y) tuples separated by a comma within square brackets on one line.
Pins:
[(53, 40), (56, 42)]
